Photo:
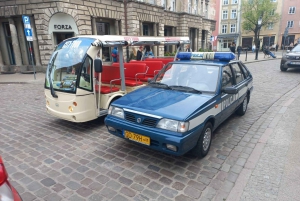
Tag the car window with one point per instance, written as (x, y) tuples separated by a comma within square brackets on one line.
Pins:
[(239, 76), (245, 71), (227, 77), (85, 78)]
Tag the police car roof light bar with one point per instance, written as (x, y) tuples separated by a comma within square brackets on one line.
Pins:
[(221, 56)]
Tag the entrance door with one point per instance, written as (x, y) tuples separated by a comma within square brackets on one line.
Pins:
[(59, 37)]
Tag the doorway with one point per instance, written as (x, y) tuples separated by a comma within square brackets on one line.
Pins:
[(59, 36)]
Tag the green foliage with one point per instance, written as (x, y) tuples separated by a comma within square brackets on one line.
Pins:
[(204, 50), (253, 10), (167, 54)]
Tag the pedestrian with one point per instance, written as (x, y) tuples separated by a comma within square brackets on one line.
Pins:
[(148, 52), (232, 48), (253, 48), (188, 48), (277, 47), (239, 49), (139, 53), (133, 54), (115, 54)]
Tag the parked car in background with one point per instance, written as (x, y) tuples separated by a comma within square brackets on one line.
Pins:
[(7, 191), (291, 59)]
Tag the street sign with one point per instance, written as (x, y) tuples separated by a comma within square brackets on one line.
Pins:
[(28, 34), (27, 27)]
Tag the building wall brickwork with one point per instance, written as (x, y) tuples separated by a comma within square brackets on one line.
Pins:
[(83, 11)]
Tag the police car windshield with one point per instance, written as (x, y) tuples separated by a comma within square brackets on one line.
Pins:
[(202, 78)]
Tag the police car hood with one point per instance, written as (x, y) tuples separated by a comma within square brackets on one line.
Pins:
[(171, 104)]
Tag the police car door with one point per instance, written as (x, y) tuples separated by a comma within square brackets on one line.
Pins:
[(227, 100), (240, 83)]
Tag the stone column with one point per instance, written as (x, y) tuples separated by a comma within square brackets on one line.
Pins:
[(117, 27), (94, 26), (15, 41), (195, 39), (37, 55), (141, 28), (22, 42), (155, 34), (173, 48), (1, 61)]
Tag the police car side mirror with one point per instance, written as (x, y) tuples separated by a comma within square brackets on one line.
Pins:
[(230, 90), (98, 65)]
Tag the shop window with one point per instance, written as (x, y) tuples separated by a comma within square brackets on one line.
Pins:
[(146, 30), (103, 28), (9, 45)]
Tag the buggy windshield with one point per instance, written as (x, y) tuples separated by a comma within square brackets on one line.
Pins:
[(66, 63)]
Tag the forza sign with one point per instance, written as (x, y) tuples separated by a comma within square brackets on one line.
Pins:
[(62, 27)]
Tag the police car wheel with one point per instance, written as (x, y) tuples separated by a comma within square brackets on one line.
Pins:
[(243, 107), (204, 141), (282, 68)]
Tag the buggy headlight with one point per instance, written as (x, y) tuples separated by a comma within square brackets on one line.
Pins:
[(116, 111), (173, 125)]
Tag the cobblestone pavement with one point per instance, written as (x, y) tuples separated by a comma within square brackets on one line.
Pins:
[(51, 159)]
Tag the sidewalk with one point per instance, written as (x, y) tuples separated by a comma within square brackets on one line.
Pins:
[(40, 77)]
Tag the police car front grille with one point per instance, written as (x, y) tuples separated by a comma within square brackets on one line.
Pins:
[(130, 117), (147, 121)]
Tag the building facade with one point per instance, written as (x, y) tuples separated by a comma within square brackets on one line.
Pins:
[(53, 21), (229, 21), (291, 19)]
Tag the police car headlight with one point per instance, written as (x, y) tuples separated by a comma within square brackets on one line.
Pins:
[(116, 111), (172, 125)]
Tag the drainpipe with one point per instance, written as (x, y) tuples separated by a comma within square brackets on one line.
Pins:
[(126, 28)]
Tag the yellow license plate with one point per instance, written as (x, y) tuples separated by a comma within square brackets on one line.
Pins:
[(137, 137)]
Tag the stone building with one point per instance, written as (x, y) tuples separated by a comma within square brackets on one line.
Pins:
[(53, 21)]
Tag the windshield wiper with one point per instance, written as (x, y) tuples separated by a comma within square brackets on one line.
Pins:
[(49, 77), (185, 88), (159, 84)]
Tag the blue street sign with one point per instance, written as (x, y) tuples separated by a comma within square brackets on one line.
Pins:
[(28, 34), (27, 27), (26, 19)]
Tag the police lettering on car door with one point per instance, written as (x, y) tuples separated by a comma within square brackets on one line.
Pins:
[(227, 102)]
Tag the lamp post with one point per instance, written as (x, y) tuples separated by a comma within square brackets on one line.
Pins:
[(257, 39)]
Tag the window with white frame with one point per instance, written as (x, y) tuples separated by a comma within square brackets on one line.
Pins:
[(225, 2), (225, 14), (233, 14), (164, 4), (196, 6), (290, 24), (272, 12), (234, 2), (173, 3), (151, 1), (273, 0), (190, 6), (224, 28), (270, 26), (292, 10), (232, 28)]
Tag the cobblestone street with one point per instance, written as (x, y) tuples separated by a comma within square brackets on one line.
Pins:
[(52, 159)]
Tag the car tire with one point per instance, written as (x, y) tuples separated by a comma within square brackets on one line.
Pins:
[(203, 144), (243, 107), (282, 68)]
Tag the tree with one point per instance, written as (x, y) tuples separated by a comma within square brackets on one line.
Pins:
[(255, 10)]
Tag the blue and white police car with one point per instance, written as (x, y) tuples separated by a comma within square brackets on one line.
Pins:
[(180, 108)]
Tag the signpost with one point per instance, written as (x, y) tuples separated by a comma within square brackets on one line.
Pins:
[(29, 38)]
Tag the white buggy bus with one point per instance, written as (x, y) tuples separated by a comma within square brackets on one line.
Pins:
[(79, 86)]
